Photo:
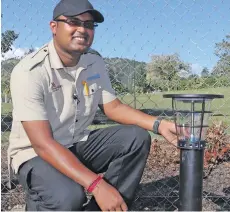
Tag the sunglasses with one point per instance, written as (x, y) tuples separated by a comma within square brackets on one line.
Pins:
[(75, 22)]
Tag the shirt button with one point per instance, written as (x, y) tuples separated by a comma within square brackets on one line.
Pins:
[(76, 120)]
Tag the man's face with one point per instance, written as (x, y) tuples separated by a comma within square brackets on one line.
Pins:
[(72, 38)]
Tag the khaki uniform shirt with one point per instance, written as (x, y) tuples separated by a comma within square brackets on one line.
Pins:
[(41, 89)]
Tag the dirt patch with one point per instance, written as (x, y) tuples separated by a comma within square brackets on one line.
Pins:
[(159, 187)]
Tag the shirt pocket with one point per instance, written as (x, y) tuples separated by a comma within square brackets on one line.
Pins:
[(92, 98)]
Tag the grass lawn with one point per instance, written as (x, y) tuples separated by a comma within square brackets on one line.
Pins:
[(5, 137), (6, 108), (157, 102)]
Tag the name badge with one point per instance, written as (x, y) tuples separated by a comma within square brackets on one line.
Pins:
[(96, 76)]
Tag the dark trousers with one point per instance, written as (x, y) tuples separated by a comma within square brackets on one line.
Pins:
[(119, 151)]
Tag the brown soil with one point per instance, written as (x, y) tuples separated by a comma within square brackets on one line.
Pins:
[(159, 187)]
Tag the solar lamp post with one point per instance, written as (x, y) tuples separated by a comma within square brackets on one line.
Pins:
[(191, 115)]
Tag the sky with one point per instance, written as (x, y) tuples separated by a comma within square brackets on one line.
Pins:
[(134, 29)]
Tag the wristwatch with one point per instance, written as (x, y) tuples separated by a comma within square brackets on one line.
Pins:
[(156, 125)]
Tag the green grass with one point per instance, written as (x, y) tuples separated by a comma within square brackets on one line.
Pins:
[(5, 137), (157, 102), (6, 108)]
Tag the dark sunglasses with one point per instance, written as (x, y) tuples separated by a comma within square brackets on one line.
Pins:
[(75, 22)]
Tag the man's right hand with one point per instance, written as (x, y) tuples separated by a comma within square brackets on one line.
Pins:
[(108, 198)]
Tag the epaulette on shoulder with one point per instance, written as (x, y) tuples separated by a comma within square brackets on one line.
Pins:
[(37, 57), (92, 51)]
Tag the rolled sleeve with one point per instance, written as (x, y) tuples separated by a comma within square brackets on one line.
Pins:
[(27, 96)]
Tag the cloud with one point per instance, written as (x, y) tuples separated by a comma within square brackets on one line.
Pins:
[(15, 53), (196, 68)]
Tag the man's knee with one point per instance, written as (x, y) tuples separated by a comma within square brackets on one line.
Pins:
[(47, 189), (137, 137), (142, 137), (141, 134), (68, 199), (72, 200)]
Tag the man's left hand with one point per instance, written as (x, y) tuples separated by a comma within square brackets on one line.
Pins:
[(168, 130)]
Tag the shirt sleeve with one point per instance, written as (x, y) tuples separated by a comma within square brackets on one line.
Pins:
[(108, 93), (27, 96)]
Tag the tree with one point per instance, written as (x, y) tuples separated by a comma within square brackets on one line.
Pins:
[(222, 50), (205, 72), (167, 69), (124, 73), (139, 76), (222, 68), (8, 37), (7, 40), (115, 75), (7, 67), (31, 50), (5, 87)]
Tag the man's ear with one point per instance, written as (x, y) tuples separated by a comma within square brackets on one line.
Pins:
[(53, 27)]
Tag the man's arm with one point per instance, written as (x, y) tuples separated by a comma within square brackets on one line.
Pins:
[(57, 155), (63, 160), (124, 114)]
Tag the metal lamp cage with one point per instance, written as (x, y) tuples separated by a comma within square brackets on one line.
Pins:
[(191, 115)]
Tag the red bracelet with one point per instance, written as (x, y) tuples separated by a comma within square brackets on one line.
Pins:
[(94, 184)]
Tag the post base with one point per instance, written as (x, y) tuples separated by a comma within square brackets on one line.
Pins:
[(191, 180)]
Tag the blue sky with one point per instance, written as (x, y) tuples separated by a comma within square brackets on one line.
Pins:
[(134, 29)]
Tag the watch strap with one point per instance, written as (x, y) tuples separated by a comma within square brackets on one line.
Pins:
[(156, 125)]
